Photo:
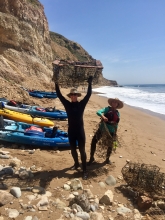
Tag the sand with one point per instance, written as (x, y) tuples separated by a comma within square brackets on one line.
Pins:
[(141, 137)]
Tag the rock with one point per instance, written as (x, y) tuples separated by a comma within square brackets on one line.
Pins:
[(15, 162), (66, 187), (3, 186), (15, 191), (38, 189), (93, 207), (137, 215), (82, 201), (13, 213), (28, 218), (123, 210), (24, 174), (144, 202), (31, 197), (75, 193), (111, 181), (88, 193), (76, 184), (107, 198), (83, 215), (4, 156), (8, 170), (5, 198), (96, 216), (161, 204), (59, 204), (77, 207), (43, 202), (43, 208), (102, 185), (70, 197)]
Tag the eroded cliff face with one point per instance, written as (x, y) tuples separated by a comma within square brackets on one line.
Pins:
[(27, 48), (25, 45)]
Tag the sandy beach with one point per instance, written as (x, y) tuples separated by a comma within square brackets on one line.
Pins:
[(141, 137)]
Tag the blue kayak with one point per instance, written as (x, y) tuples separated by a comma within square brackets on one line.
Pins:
[(37, 95), (44, 92), (47, 112), (27, 134)]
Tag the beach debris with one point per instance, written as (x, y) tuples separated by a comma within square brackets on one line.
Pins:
[(144, 178), (163, 159)]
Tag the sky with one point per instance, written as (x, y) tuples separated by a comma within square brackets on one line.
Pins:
[(127, 36)]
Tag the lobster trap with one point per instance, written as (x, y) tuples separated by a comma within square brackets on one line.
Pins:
[(156, 213), (144, 178), (75, 73)]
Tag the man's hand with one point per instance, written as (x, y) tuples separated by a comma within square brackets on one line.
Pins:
[(90, 78)]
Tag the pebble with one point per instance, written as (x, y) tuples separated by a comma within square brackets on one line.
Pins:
[(110, 180), (15, 191)]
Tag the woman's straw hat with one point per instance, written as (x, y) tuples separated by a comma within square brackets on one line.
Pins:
[(74, 91), (120, 103)]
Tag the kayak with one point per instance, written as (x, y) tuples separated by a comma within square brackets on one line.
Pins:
[(37, 95), (39, 111), (43, 95), (47, 112), (22, 117), (28, 134), (43, 92)]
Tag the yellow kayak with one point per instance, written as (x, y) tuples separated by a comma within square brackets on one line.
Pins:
[(18, 116)]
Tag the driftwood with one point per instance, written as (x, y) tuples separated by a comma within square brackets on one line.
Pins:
[(75, 73)]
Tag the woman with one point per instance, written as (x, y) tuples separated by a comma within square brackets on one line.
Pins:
[(76, 133), (110, 119)]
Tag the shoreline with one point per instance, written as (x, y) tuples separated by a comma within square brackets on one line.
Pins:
[(158, 115)]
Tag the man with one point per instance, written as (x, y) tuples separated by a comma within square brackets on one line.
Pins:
[(76, 133), (110, 119)]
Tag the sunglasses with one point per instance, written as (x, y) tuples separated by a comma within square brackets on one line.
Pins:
[(73, 94)]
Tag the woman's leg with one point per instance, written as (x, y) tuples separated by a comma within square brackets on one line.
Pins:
[(109, 151), (94, 141)]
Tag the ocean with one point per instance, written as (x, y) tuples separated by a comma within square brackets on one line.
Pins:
[(146, 96)]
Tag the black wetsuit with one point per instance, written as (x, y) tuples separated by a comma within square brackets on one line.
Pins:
[(76, 131)]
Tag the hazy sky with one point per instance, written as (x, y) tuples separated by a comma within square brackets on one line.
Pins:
[(127, 36)]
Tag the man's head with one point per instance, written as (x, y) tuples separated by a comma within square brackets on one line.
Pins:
[(115, 103), (73, 95)]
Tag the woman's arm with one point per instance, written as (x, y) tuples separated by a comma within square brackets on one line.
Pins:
[(101, 113)]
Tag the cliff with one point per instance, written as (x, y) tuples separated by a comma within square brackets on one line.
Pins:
[(27, 48)]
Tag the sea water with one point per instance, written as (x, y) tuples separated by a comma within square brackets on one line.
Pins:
[(147, 96)]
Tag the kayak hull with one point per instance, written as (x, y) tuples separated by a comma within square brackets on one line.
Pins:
[(16, 132)]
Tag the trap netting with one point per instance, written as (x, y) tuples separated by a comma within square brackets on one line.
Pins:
[(156, 213), (106, 142), (75, 73), (144, 178)]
